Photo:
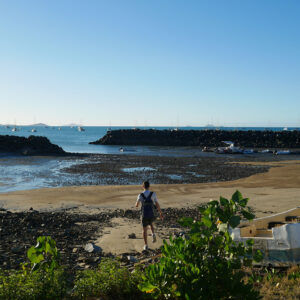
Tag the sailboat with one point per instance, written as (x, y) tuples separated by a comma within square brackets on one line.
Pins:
[(14, 129)]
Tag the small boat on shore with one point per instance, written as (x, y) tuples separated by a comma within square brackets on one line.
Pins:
[(207, 149), (230, 149), (277, 236), (282, 152), (266, 151), (248, 151)]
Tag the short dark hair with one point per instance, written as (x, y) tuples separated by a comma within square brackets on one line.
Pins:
[(146, 184)]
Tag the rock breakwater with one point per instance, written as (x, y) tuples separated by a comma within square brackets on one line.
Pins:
[(33, 145), (201, 138)]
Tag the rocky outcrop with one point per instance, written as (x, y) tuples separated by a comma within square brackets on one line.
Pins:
[(208, 138), (33, 145)]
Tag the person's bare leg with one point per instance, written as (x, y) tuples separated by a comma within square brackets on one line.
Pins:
[(153, 234), (152, 229), (145, 234)]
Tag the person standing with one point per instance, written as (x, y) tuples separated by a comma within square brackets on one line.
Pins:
[(148, 200)]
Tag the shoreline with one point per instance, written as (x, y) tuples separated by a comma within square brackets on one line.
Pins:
[(106, 217), (26, 173), (276, 190)]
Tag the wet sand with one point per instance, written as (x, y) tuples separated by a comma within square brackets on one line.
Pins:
[(274, 191)]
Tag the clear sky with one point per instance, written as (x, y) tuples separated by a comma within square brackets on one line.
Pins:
[(233, 62)]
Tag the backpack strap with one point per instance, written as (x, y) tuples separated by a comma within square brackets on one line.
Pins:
[(149, 197)]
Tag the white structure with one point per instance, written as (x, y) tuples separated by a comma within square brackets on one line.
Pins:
[(231, 149), (277, 236)]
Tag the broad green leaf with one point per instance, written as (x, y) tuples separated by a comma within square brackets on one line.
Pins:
[(237, 197), (36, 258), (31, 251), (213, 203), (248, 215), (207, 222), (224, 201), (41, 239), (244, 202), (147, 287), (234, 221)]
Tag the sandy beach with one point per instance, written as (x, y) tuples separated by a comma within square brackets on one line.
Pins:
[(274, 191)]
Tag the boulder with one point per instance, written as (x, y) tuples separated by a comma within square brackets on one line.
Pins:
[(33, 145)]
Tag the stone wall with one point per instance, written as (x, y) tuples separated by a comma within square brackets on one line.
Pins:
[(209, 138)]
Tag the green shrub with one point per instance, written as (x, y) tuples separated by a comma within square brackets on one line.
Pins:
[(109, 281), (208, 264), (33, 285), (44, 280), (44, 255)]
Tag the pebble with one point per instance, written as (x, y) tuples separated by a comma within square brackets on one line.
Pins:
[(90, 247), (132, 259), (132, 236)]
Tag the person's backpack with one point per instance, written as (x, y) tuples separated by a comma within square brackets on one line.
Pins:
[(147, 207)]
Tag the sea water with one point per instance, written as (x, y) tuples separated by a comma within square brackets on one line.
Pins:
[(72, 140), (23, 173)]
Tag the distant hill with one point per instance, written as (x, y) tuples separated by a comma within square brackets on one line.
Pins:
[(72, 124), (38, 124)]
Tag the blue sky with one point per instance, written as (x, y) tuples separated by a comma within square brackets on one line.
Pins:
[(150, 62)]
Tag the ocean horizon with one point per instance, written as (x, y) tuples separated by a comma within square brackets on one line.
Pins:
[(74, 141)]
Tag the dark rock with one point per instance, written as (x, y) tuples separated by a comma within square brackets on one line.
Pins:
[(17, 250), (202, 138), (33, 145), (132, 236)]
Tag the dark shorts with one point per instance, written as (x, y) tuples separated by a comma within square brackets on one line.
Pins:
[(147, 221)]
